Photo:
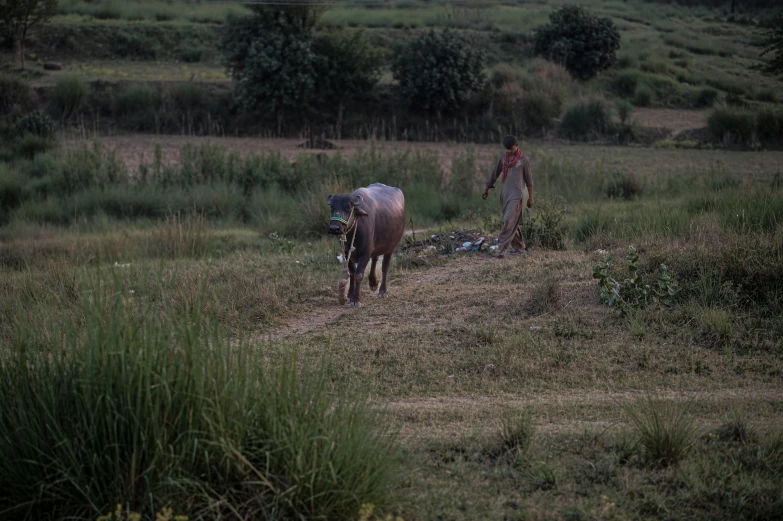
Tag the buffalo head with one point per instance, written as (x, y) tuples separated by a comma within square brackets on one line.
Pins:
[(345, 211)]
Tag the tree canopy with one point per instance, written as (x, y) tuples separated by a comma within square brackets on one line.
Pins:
[(438, 72), (582, 42)]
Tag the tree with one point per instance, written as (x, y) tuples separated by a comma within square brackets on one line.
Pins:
[(272, 69), (346, 66), (773, 44), (19, 16), (438, 72), (580, 41)]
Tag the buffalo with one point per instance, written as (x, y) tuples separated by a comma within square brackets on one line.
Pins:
[(373, 220)]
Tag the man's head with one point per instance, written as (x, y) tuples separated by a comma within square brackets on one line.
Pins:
[(511, 143)]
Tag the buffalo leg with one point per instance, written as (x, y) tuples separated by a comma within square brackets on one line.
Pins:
[(373, 278), (361, 265), (351, 278), (384, 270)]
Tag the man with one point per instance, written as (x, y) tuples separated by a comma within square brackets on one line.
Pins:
[(514, 167)]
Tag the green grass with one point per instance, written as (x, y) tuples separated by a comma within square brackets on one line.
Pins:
[(507, 381)]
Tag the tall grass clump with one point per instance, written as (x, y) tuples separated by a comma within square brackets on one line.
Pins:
[(154, 406), (665, 428), (69, 96), (585, 120), (731, 126)]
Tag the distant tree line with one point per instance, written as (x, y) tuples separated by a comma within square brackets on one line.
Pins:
[(281, 66)]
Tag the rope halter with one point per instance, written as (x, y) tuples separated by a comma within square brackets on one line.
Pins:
[(344, 221)]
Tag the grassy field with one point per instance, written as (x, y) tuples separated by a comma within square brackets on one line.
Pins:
[(513, 391)]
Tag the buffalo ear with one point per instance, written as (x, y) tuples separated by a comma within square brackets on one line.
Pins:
[(329, 200), (356, 200), (360, 211)]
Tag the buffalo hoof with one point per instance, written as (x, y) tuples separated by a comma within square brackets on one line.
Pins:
[(382, 293), (373, 287), (355, 304)]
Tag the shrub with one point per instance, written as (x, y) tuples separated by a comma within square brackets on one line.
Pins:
[(769, 125), (731, 126), (643, 96), (141, 406), (586, 120), (11, 190), (706, 97), (625, 83), (32, 145), (69, 95), (135, 107), (191, 54), (272, 69), (347, 66), (134, 47), (623, 185), (438, 72), (666, 431), (15, 93), (36, 123), (582, 42), (773, 45)]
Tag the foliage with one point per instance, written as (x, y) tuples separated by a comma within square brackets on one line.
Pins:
[(15, 93), (633, 292), (272, 69), (584, 43), (70, 95), (346, 66), (438, 72), (585, 120), (36, 123), (666, 431), (19, 16), (544, 226), (139, 405), (773, 45)]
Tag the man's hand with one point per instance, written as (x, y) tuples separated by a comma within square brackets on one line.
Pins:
[(486, 193), (530, 202)]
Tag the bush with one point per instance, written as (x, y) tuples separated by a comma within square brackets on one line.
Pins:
[(586, 120), (623, 185), (69, 96), (272, 69), (706, 97), (582, 42), (438, 72), (625, 83), (36, 123), (191, 54), (126, 46), (31, 145), (135, 107), (666, 431), (141, 407), (11, 191), (643, 96), (15, 93), (769, 125), (731, 126)]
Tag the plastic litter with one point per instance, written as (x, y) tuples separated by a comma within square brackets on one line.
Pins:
[(467, 244)]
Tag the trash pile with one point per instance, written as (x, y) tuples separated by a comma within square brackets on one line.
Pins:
[(448, 243)]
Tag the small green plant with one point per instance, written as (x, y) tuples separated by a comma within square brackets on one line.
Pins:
[(633, 292), (545, 226), (665, 428), (281, 244), (36, 123), (735, 428)]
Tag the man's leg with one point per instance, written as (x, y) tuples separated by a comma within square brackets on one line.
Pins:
[(510, 234)]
